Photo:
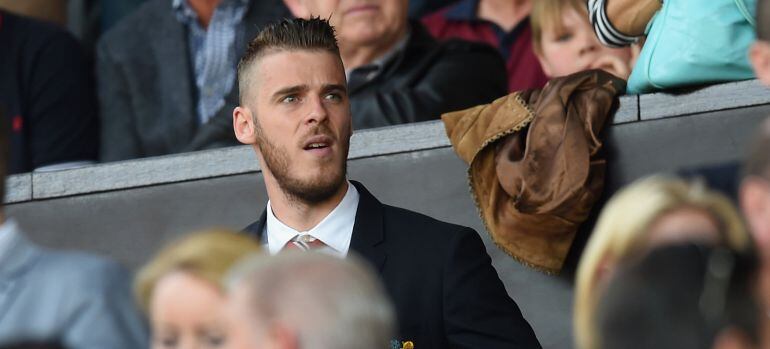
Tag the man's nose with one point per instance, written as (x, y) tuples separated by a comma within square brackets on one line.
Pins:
[(316, 110)]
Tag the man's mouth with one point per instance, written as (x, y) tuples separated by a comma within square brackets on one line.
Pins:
[(319, 145), (316, 146)]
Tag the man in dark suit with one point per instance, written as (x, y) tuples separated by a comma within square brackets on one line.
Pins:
[(295, 113), (166, 75)]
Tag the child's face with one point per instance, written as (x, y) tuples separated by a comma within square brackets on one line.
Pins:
[(576, 48)]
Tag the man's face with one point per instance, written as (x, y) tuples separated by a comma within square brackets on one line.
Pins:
[(362, 22), (299, 107)]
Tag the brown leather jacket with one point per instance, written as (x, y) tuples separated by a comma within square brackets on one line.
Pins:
[(535, 163)]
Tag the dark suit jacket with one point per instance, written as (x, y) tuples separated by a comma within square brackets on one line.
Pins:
[(146, 86), (439, 276), (427, 79)]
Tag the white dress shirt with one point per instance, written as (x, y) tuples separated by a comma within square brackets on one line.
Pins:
[(335, 230)]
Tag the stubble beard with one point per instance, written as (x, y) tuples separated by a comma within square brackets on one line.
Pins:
[(310, 192)]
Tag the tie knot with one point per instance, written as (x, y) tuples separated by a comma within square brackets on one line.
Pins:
[(304, 242)]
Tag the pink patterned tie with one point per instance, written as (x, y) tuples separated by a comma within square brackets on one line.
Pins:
[(304, 243)]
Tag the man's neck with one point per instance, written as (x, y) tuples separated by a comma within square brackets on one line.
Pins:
[(204, 9), (302, 216), (505, 13), (360, 55)]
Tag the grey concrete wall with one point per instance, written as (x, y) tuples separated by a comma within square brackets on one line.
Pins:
[(128, 209)]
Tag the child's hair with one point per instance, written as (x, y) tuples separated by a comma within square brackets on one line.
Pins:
[(548, 14)]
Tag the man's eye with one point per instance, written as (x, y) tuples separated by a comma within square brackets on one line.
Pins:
[(289, 99), (333, 97)]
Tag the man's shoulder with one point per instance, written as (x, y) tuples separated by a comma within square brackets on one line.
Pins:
[(139, 27), (415, 225), (454, 51)]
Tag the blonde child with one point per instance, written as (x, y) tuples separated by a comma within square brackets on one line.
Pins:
[(564, 41)]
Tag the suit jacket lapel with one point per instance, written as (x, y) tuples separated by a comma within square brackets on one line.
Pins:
[(257, 229), (177, 82), (368, 233)]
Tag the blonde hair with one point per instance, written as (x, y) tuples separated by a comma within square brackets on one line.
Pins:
[(547, 15), (620, 233), (208, 255)]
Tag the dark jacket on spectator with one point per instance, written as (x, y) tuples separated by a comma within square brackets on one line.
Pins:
[(147, 88), (461, 21), (427, 79), (47, 92)]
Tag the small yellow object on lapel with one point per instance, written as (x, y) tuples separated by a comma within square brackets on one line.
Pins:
[(407, 345)]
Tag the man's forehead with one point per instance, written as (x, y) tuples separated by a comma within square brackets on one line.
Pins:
[(280, 69)]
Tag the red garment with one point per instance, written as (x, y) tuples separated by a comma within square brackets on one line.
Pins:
[(459, 21)]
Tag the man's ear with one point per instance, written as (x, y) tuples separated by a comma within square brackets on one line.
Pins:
[(244, 126), (297, 8), (759, 54)]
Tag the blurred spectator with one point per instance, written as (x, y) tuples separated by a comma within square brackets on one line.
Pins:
[(293, 299), (759, 54), (53, 11), (396, 72), (47, 92), (33, 345), (651, 212), (167, 75), (295, 114), (754, 196), (565, 42), (181, 289), (420, 8), (113, 11), (80, 300), (503, 24), (683, 297)]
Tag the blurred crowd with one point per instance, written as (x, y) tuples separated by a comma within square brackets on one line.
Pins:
[(670, 263)]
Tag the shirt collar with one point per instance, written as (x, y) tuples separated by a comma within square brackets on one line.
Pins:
[(464, 10), (185, 13), (335, 230)]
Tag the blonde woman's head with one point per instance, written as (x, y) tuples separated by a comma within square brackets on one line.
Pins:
[(182, 288), (650, 212)]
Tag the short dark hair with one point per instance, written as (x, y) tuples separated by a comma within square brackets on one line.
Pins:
[(763, 20), (313, 34), (757, 162), (680, 297)]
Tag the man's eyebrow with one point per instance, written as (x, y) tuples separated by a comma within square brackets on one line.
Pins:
[(335, 87), (289, 90)]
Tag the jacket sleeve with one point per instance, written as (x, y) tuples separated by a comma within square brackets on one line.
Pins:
[(62, 120), (478, 312), (459, 76), (109, 317), (119, 140)]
